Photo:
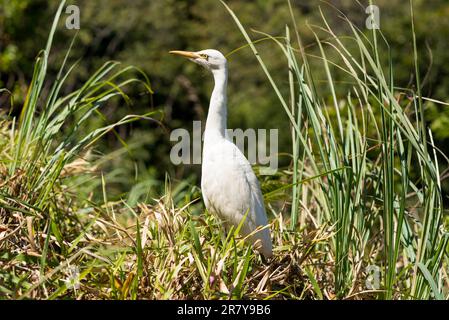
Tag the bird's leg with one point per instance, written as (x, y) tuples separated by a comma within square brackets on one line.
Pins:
[(229, 228), (257, 246), (265, 261), (226, 228)]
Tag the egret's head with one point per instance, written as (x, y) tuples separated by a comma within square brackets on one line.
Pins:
[(209, 58)]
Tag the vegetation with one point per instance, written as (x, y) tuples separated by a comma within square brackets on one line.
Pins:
[(86, 212)]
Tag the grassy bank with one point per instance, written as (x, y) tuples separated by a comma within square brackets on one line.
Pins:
[(357, 215)]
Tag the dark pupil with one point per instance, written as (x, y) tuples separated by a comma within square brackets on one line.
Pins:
[(205, 56)]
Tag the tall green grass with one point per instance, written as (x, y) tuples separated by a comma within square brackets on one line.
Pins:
[(40, 149), (367, 162), (364, 189), (50, 221), (49, 139)]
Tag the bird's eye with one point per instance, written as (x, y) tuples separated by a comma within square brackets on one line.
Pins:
[(204, 56)]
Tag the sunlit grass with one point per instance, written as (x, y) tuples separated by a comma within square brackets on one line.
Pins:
[(366, 198), (363, 190)]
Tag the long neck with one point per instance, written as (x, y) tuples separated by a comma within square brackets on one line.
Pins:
[(216, 117)]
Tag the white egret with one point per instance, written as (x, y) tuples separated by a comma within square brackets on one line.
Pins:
[(229, 186)]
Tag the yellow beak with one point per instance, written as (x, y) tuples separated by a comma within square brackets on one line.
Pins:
[(187, 54)]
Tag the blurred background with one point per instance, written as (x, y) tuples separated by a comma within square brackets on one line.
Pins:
[(141, 33)]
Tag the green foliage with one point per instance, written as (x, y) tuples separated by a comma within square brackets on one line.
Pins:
[(362, 183), (358, 192), (143, 33)]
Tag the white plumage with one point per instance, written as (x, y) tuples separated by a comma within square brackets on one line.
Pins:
[(229, 186)]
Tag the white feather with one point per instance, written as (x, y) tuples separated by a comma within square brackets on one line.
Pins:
[(229, 186)]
